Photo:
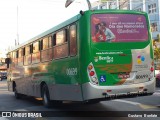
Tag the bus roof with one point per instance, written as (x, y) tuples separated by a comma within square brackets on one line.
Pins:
[(52, 30), (73, 19)]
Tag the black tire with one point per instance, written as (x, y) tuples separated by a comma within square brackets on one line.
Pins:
[(16, 94), (157, 83), (46, 97)]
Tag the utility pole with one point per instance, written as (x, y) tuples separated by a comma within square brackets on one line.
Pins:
[(144, 5), (89, 5), (130, 4), (17, 28), (117, 3)]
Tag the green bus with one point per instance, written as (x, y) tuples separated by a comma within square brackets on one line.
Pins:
[(96, 55)]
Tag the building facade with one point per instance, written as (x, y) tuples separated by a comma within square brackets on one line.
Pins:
[(149, 6)]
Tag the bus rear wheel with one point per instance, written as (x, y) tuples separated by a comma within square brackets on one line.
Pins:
[(46, 97)]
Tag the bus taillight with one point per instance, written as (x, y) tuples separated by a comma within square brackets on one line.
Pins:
[(90, 67), (151, 69), (91, 73)]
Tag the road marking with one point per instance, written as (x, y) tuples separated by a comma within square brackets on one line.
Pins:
[(143, 106), (156, 93), (125, 101), (147, 106), (3, 118), (21, 110)]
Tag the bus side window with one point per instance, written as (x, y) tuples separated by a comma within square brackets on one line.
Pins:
[(36, 52), (73, 40), (50, 43), (35, 47), (60, 49), (15, 57), (46, 51), (45, 43), (61, 37), (20, 57), (27, 55), (27, 50)]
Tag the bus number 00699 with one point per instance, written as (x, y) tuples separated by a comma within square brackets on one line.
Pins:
[(142, 76)]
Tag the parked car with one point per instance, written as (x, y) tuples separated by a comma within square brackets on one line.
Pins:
[(3, 75), (157, 79)]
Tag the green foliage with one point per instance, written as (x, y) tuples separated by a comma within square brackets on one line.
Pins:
[(156, 53)]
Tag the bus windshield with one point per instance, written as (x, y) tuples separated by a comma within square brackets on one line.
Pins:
[(119, 28)]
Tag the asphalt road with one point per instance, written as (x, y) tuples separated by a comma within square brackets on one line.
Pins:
[(128, 106)]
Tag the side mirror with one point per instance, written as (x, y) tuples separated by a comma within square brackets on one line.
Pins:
[(7, 61)]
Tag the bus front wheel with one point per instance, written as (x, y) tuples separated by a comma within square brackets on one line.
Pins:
[(46, 97)]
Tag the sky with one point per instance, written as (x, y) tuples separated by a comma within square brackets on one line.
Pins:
[(34, 17)]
